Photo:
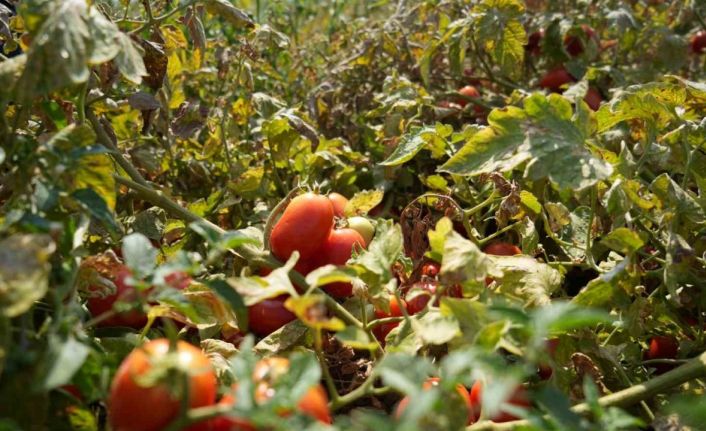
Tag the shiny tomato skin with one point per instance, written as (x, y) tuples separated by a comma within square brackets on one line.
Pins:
[(574, 45), (518, 398), (502, 249), (555, 79), (304, 226), (593, 99), (381, 331), (269, 315), (132, 407), (337, 249), (431, 269), (339, 203), (428, 384), (663, 347), (124, 292), (420, 299)]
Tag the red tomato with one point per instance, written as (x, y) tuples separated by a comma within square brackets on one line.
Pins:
[(502, 249), (545, 370), (431, 269), (73, 390), (123, 293), (337, 249), (304, 226), (178, 280), (314, 403), (339, 203), (381, 331), (593, 98), (555, 79), (472, 92), (423, 292), (574, 44), (663, 347), (431, 382), (534, 42), (698, 42), (269, 315), (132, 406), (518, 398)]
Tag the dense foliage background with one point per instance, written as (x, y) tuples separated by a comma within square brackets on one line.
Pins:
[(162, 135)]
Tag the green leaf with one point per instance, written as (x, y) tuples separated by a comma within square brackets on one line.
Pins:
[(139, 254), (382, 252), (362, 202), (603, 290), (95, 205), (499, 30), (356, 338), (414, 141), (435, 328), (24, 272), (623, 240), (526, 278), (677, 199), (463, 261), (229, 12), (543, 135), (129, 60), (233, 298), (490, 335), (65, 358)]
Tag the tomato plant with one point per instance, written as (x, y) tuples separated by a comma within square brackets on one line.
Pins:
[(490, 191), (141, 399)]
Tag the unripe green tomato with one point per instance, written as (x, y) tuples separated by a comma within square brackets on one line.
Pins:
[(363, 226)]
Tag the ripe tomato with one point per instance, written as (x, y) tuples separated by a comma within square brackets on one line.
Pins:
[(555, 79), (363, 226), (431, 269), (396, 308), (574, 44), (534, 42), (593, 98), (132, 406), (518, 398), (339, 203), (431, 382), (304, 226), (314, 403), (337, 249), (269, 315), (698, 42), (422, 292), (178, 280), (502, 249), (663, 347), (124, 292), (545, 370), (472, 92)]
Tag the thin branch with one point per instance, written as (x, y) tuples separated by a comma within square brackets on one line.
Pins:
[(693, 369)]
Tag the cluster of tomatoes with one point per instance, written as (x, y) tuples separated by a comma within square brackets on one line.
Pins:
[(557, 78), (472, 400), (308, 225), (147, 391), (102, 304)]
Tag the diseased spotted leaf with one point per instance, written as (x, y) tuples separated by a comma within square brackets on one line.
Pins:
[(24, 272), (230, 13), (544, 136), (417, 139), (499, 30)]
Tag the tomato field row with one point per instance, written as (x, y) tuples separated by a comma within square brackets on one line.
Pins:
[(239, 215)]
